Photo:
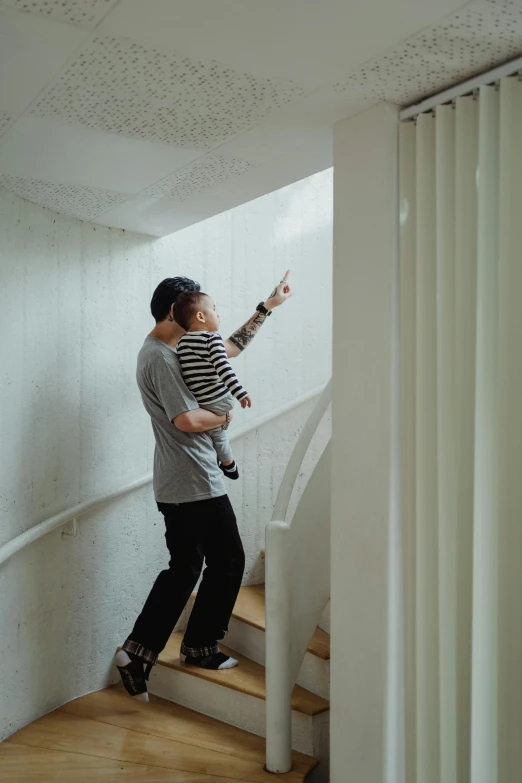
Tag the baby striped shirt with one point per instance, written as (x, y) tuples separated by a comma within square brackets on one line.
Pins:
[(206, 369)]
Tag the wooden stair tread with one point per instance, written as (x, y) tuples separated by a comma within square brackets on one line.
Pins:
[(171, 721), (109, 735), (21, 763), (250, 609), (248, 677)]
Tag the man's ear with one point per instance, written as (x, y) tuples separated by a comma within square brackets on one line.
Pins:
[(171, 313)]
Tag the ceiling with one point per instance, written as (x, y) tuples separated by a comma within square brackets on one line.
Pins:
[(151, 115)]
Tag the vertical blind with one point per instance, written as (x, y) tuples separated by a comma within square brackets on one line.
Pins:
[(461, 335)]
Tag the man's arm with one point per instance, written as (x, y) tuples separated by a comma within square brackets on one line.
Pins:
[(199, 420), (238, 341), (174, 397)]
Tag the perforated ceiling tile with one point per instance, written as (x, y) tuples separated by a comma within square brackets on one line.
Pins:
[(73, 200), (119, 86), (86, 13), (5, 121), (198, 177), (483, 34)]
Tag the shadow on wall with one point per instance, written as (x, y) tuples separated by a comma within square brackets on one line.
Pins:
[(71, 424), (58, 590), (69, 600), (40, 577)]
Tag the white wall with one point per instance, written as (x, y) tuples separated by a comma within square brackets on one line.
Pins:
[(364, 427), (74, 304)]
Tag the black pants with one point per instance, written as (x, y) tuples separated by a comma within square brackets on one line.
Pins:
[(197, 531)]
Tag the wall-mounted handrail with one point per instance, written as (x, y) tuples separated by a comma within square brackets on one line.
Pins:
[(280, 562), (81, 509)]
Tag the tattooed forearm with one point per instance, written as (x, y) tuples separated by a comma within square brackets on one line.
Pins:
[(246, 333)]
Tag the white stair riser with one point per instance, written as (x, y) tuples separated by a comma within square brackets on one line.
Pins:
[(314, 675), (310, 735), (250, 641), (324, 622), (247, 640), (321, 744), (233, 707)]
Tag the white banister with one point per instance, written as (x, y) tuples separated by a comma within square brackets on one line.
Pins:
[(287, 571), (278, 683), (81, 509), (298, 454)]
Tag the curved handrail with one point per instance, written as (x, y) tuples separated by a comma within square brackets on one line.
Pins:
[(75, 512), (294, 465)]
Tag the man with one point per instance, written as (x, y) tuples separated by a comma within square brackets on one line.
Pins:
[(190, 493)]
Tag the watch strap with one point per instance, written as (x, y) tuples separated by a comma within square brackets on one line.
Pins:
[(262, 309)]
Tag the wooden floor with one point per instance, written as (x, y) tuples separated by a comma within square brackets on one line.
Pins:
[(109, 736)]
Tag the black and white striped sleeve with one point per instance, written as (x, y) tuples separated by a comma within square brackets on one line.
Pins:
[(218, 356)]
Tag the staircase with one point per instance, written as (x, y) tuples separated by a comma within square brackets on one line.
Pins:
[(247, 635), (207, 727), (237, 696)]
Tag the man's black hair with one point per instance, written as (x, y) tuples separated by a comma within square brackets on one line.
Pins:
[(187, 305), (166, 294)]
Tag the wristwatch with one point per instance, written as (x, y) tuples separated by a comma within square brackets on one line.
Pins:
[(227, 423), (262, 309)]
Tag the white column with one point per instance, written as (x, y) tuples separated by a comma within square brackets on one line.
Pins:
[(466, 157), (408, 307), (278, 646), (484, 682), (446, 438), (510, 435), (365, 500), (426, 539)]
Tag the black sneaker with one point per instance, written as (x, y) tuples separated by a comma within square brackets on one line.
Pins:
[(216, 661), (133, 675)]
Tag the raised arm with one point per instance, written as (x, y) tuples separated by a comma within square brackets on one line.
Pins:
[(238, 341), (218, 356)]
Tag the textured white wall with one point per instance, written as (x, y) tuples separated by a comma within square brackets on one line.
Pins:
[(73, 312)]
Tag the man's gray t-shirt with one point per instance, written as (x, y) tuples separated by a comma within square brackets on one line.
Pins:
[(185, 463)]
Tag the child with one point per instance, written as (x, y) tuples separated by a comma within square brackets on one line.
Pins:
[(206, 369)]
